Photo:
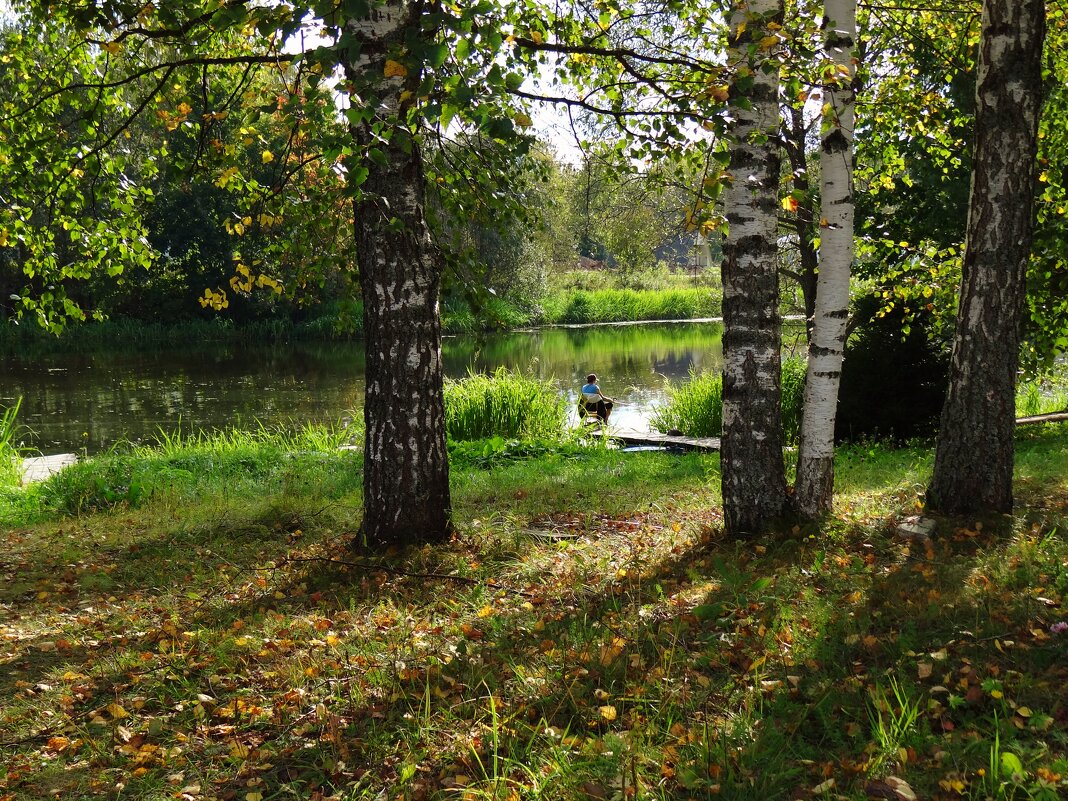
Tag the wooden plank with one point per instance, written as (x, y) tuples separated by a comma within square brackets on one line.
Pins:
[(1053, 417), (632, 437), (38, 468)]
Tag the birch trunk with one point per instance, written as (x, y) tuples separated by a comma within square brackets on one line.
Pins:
[(406, 472), (974, 452), (815, 464), (753, 477)]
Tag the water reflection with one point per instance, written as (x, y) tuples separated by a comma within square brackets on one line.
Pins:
[(91, 401)]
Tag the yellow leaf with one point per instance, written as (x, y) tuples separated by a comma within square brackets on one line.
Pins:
[(253, 796), (536, 37), (768, 42), (394, 69), (790, 204), (485, 611), (113, 47), (741, 29), (608, 713), (267, 157), (523, 120), (116, 711)]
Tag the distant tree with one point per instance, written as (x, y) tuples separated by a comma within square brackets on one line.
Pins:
[(974, 451)]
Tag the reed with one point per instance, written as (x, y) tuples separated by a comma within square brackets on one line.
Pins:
[(10, 456), (1043, 395), (696, 407), (503, 404)]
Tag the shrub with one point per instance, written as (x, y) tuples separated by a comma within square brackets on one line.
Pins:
[(893, 383)]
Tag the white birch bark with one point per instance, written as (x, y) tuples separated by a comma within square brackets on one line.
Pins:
[(406, 495), (815, 464), (752, 473)]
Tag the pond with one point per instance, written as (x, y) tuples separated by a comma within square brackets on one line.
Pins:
[(92, 401)]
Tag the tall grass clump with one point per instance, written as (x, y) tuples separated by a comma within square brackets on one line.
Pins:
[(10, 466), (1043, 395), (504, 404), (696, 407)]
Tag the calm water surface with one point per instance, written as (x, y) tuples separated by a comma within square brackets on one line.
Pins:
[(92, 401)]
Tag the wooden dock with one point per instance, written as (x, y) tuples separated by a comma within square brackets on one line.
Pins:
[(656, 439), (38, 468)]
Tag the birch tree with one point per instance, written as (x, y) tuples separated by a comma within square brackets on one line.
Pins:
[(974, 451), (753, 477), (406, 471), (407, 66), (815, 465)]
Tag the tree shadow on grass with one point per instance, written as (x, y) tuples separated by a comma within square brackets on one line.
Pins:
[(596, 653)]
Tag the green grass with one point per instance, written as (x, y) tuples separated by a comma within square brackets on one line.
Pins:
[(503, 404), (188, 468), (588, 633), (696, 407)]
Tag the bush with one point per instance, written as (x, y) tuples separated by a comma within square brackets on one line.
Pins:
[(893, 383)]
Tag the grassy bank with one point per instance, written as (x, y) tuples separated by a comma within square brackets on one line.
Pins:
[(588, 633), (565, 304), (146, 335)]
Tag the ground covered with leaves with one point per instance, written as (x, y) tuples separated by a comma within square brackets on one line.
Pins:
[(588, 633)]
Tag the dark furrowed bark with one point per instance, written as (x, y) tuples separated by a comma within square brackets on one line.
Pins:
[(974, 452)]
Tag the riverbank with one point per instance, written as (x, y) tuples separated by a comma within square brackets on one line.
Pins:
[(566, 305), (194, 624)]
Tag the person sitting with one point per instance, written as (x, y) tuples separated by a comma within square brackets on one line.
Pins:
[(593, 402)]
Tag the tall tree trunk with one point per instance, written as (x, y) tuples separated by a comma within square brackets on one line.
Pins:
[(753, 477), (815, 463), (974, 452), (406, 471)]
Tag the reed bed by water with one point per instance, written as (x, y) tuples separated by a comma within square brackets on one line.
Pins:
[(696, 407), (1043, 395), (617, 305), (502, 404), (143, 335), (10, 457)]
